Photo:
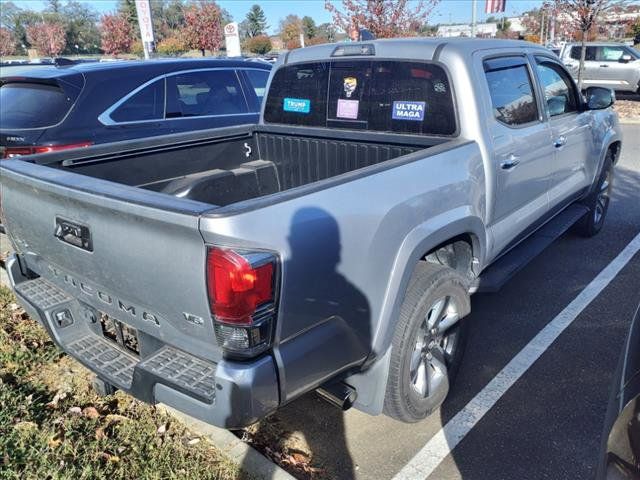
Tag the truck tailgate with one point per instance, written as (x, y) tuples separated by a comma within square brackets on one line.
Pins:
[(134, 255)]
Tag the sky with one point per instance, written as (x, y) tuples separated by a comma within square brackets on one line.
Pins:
[(457, 11)]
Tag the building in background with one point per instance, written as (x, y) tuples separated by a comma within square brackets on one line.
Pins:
[(483, 30)]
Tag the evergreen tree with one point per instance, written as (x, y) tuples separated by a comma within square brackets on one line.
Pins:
[(256, 21), (309, 27)]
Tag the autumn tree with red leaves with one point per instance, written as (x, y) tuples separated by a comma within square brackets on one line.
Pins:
[(7, 45), (383, 18), (116, 34), (203, 27), (49, 38)]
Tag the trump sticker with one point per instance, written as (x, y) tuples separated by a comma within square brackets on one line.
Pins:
[(403, 110), (298, 105)]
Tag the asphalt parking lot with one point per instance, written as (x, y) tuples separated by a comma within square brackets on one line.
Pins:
[(549, 423)]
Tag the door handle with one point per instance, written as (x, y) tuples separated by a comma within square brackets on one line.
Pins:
[(560, 141), (510, 163), (604, 66)]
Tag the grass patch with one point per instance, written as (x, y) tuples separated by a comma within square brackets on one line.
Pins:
[(52, 425)]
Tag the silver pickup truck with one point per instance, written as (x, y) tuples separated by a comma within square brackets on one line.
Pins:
[(331, 247)]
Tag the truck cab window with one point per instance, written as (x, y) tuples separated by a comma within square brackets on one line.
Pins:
[(382, 96), (559, 91), (511, 91)]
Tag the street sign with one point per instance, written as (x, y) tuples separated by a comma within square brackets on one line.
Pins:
[(232, 39)]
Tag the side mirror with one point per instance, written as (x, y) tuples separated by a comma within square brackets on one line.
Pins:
[(626, 58), (599, 98)]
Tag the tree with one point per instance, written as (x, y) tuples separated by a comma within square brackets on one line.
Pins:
[(583, 15), (7, 45), (383, 18), (47, 37), (260, 44), (256, 22), (117, 35), (309, 27), (80, 23), (203, 27), (53, 6), (16, 20), (327, 31), (290, 30)]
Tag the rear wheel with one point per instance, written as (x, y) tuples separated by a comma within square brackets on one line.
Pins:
[(428, 343), (598, 201)]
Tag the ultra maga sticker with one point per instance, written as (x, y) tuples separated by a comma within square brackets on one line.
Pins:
[(408, 111), (347, 109), (298, 105)]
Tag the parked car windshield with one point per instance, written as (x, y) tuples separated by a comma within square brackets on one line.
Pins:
[(32, 105), (386, 96)]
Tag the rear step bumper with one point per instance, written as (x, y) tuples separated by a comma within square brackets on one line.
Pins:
[(226, 394)]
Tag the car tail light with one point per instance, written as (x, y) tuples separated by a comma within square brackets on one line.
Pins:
[(242, 295), (10, 152)]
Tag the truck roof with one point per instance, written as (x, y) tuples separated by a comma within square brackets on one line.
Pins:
[(409, 48)]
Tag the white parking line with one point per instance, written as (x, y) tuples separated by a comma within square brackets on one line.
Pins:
[(440, 445)]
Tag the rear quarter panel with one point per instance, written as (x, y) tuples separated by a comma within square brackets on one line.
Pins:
[(348, 251)]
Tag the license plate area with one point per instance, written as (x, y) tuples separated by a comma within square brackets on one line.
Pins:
[(123, 335)]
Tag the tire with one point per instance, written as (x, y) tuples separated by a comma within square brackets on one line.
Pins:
[(427, 347), (598, 201)]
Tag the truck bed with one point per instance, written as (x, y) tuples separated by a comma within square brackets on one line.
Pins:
[(232, 165)]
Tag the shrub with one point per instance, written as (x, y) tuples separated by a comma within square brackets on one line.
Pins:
[(260, 44)]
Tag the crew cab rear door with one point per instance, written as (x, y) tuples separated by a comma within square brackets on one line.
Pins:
[(522, 145), (133, 254)]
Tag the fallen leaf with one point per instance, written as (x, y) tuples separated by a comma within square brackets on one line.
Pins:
[(193, 441), (60, 395), (75, 410), (90, 412), (55, 441), (162, 429)]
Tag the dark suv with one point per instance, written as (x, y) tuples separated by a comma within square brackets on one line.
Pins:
[(48, 108)]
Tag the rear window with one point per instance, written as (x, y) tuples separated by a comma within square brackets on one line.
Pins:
[(385, 96), (32, 105)]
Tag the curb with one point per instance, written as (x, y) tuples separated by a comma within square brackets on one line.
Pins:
[(250, 460), (630, 121)]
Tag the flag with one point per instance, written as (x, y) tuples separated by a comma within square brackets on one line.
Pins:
[(494, 6)]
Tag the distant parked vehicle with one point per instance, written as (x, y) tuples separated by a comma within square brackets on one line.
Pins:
[(620, 458), (57, 107), (610, 65)]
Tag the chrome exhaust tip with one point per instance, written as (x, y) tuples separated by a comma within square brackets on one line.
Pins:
[(338, 394)]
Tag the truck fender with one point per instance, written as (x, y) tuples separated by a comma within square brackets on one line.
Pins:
[(609, 137), (371, 382)]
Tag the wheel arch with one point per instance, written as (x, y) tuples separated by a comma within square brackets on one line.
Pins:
[(416, 247)]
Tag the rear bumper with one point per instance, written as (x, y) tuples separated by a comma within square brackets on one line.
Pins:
[(226, 394)]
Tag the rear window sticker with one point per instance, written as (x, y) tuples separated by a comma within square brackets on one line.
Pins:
[(298, 105), (439, 87), (404, 110), (347, 109), (350, 85)]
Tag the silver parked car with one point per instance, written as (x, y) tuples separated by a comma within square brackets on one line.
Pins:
[(610, 65)]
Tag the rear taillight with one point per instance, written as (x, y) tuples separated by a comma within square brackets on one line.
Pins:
[(10, 152), (242, 295)]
